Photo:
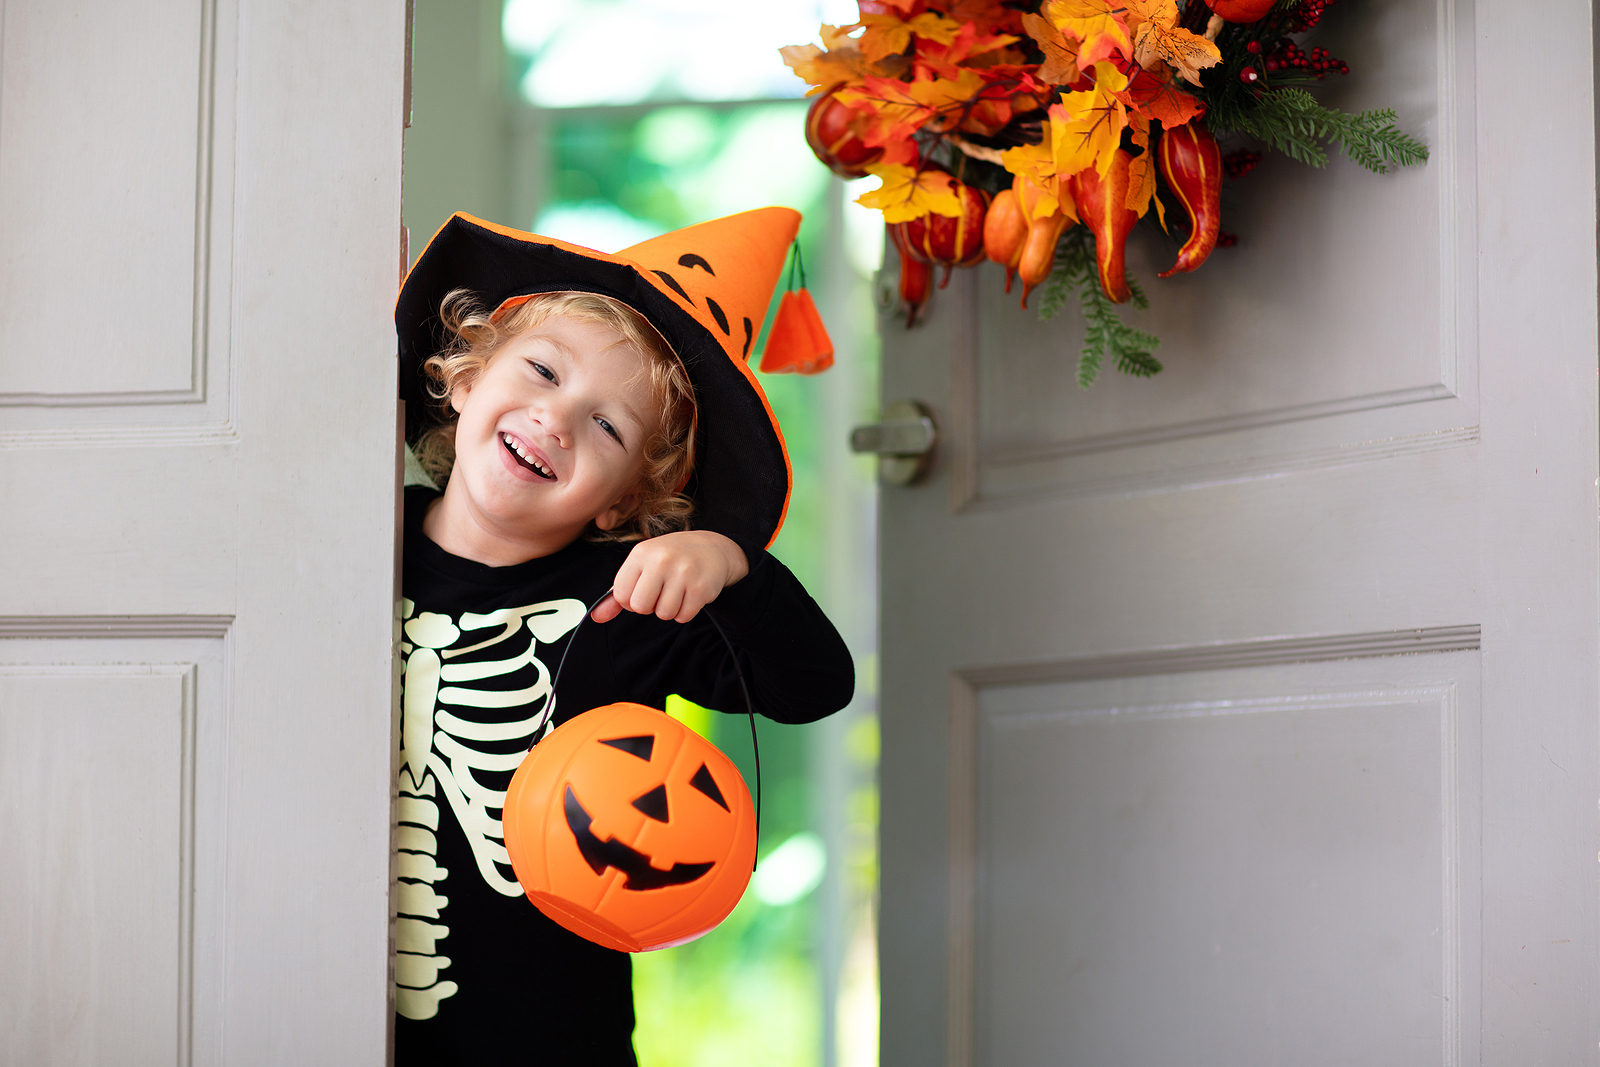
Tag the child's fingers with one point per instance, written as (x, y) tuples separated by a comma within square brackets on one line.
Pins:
[(692, 603), (607, 609), (670, 602), (627, 578), (646, 591)]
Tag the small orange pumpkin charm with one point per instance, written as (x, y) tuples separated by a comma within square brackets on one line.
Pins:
[(628, 828), (797, 340)]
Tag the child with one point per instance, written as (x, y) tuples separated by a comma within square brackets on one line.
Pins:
[(600, 431)]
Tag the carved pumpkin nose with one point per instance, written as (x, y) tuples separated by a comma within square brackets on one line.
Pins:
[(654, 804)]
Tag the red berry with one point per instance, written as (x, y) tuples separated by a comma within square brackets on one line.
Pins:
[(1238, 164), (1249, 75), (1254, 48)]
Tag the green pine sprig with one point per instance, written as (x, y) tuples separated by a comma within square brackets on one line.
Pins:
[(1292, 122), (1105, 333)]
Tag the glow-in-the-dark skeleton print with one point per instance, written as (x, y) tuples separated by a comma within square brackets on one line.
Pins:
[(461, 678)]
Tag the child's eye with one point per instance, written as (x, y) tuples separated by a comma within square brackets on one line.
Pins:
[(542, 371), (608, 428)]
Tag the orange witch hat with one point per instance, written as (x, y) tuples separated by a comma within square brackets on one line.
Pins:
[(705, 288), (797, 341)]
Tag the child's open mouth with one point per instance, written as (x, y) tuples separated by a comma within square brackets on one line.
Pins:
[(524, 459)]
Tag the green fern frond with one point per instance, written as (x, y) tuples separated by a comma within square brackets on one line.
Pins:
[(1292, 122), (1105, 334)]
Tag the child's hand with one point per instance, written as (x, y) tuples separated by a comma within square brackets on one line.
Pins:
[(673, 576)]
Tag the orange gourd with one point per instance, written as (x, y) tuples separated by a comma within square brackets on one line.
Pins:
[(916, 276), (951, 241), (1004, 232), (1103, 206), (630, 829), (832, 135), (1241, 10)]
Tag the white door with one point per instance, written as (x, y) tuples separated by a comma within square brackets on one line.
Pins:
[(1248, 715), (199, 244)]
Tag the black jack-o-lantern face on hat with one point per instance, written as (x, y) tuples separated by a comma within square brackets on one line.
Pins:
[(705, 288), (630, 829)]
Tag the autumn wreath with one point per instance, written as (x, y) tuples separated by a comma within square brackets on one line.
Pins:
[(996, 126)]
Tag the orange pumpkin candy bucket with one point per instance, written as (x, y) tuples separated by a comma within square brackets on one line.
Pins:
[(629, 829)]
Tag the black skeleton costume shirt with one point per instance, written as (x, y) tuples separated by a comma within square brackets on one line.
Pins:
[(481, 976)]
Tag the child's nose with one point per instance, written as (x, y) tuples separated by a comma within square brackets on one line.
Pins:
[(556, 419)]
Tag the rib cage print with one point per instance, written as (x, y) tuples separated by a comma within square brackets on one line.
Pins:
[(474, 696)]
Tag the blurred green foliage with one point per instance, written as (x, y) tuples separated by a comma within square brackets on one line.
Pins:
[(748, 992)]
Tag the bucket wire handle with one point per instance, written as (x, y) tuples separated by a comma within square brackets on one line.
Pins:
[(738, 672)]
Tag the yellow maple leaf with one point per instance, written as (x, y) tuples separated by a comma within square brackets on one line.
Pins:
[(947, 95), (1099, 26), (889, 35), (1158, 38), (1036, 163), (935, 27), (1086, 127), (907, 194)]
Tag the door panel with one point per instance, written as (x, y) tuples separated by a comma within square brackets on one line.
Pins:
[(200, 237), (115, 218), (1358, 512), (1262, 862)]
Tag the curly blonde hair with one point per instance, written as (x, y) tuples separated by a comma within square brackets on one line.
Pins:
[(476, 336)]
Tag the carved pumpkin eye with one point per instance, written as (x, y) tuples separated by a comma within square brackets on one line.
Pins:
[(640, 746), (703, 781)]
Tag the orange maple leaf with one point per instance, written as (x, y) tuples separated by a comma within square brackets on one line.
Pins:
[(1157, 38), (823, 70), (1152, 94), (904, 152), (907, 194), (840, 38), (896, 109), (987, 15), (1060, 66), (944, 58), (1142, 172)]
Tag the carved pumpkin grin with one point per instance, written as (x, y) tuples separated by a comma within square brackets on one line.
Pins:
[(613, 853)]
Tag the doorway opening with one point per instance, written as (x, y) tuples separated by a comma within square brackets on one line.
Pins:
[(604, 124)]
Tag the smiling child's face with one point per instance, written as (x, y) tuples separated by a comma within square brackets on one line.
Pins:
[(552, 435)]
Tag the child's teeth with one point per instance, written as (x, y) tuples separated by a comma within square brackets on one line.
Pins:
[(512, 444)]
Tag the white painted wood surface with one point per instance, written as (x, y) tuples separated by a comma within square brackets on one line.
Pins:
[(1376, 432), (199, 238)]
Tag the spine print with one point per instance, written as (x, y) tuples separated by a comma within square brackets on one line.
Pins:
[(417, 963), (456, 744)]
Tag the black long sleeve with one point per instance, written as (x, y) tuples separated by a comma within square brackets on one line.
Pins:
[(481, 975)]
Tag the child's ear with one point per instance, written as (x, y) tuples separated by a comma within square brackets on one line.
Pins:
[(458, 396), (618, 513)]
